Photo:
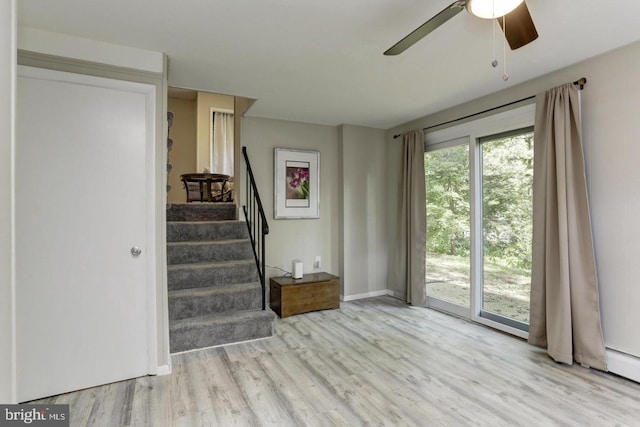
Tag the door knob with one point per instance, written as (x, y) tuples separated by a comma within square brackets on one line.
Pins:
[(136, 251)]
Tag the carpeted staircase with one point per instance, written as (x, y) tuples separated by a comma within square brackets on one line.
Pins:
[(215, 296)]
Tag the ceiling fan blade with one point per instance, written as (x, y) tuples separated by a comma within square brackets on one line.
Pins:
[(520, 28), (449, 12)]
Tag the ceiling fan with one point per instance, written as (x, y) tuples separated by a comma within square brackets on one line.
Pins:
[(520, 29)]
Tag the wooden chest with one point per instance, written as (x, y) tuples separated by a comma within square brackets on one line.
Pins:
[(315, 291)]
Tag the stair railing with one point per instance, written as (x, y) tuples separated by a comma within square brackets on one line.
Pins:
[(256, 223)]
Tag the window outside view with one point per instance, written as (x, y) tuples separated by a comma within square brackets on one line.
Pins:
[(507, 219), (448, 261), (507, 177)]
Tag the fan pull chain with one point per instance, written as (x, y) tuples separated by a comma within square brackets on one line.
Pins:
[(494, 63), (505, 76)]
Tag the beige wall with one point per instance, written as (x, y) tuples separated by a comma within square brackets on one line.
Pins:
[(205, 102), (350, 234), (302, 238), (183, 154), (7, 121), (363, 253), (611, 106)]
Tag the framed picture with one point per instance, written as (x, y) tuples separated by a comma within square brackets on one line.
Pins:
[(297, 184)]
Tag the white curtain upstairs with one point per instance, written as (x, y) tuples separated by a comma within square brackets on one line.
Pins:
[(222, 144)]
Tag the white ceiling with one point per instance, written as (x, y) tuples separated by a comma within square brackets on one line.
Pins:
[(321, 61)]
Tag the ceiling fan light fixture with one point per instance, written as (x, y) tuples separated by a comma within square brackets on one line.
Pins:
[(490, 9)]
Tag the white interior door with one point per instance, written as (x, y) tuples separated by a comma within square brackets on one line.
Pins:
[(82, 313)]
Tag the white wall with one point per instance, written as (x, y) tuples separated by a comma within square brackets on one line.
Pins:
[(363, 252), (7, 122), (302, 239), (350, 234), (41, 41), (611, 106)]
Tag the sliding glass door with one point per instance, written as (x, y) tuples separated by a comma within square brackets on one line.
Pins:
[(507, 219), (448, 262), (479, 227)]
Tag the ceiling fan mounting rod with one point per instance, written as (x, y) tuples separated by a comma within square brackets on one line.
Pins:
[(460, 4)]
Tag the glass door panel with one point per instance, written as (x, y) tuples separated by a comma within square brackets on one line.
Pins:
[(507, 219), (448, 224)]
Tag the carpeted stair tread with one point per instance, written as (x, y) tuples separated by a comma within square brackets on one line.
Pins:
[(201, 211), (210, 250), (185, 231), (194, 302), (215, 294), (205, 222), (207, 242), (203, 274), (203, 292), (212, 264), (222, 318), (196, 223), (218, 329)]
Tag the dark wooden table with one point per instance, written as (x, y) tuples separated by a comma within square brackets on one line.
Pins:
[(315, 291), (204, 181)]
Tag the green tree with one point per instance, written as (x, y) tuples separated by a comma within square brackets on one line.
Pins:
[(447, 188), (507, 179)]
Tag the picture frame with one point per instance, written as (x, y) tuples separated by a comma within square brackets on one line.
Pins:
[(296, 184)]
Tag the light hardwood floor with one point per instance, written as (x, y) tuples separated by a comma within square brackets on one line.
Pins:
[(373, 362)]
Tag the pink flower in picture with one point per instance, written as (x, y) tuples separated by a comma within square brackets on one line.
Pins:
[(297, 183)]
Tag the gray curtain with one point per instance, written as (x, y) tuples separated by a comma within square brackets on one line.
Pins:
[(410, 249), (565, 309)]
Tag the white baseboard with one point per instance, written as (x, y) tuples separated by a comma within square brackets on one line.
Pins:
[(395, 294), (623, 364), (164, 370), (365, 295)]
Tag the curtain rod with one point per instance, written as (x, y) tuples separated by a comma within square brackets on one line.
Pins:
[(580, 82)]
